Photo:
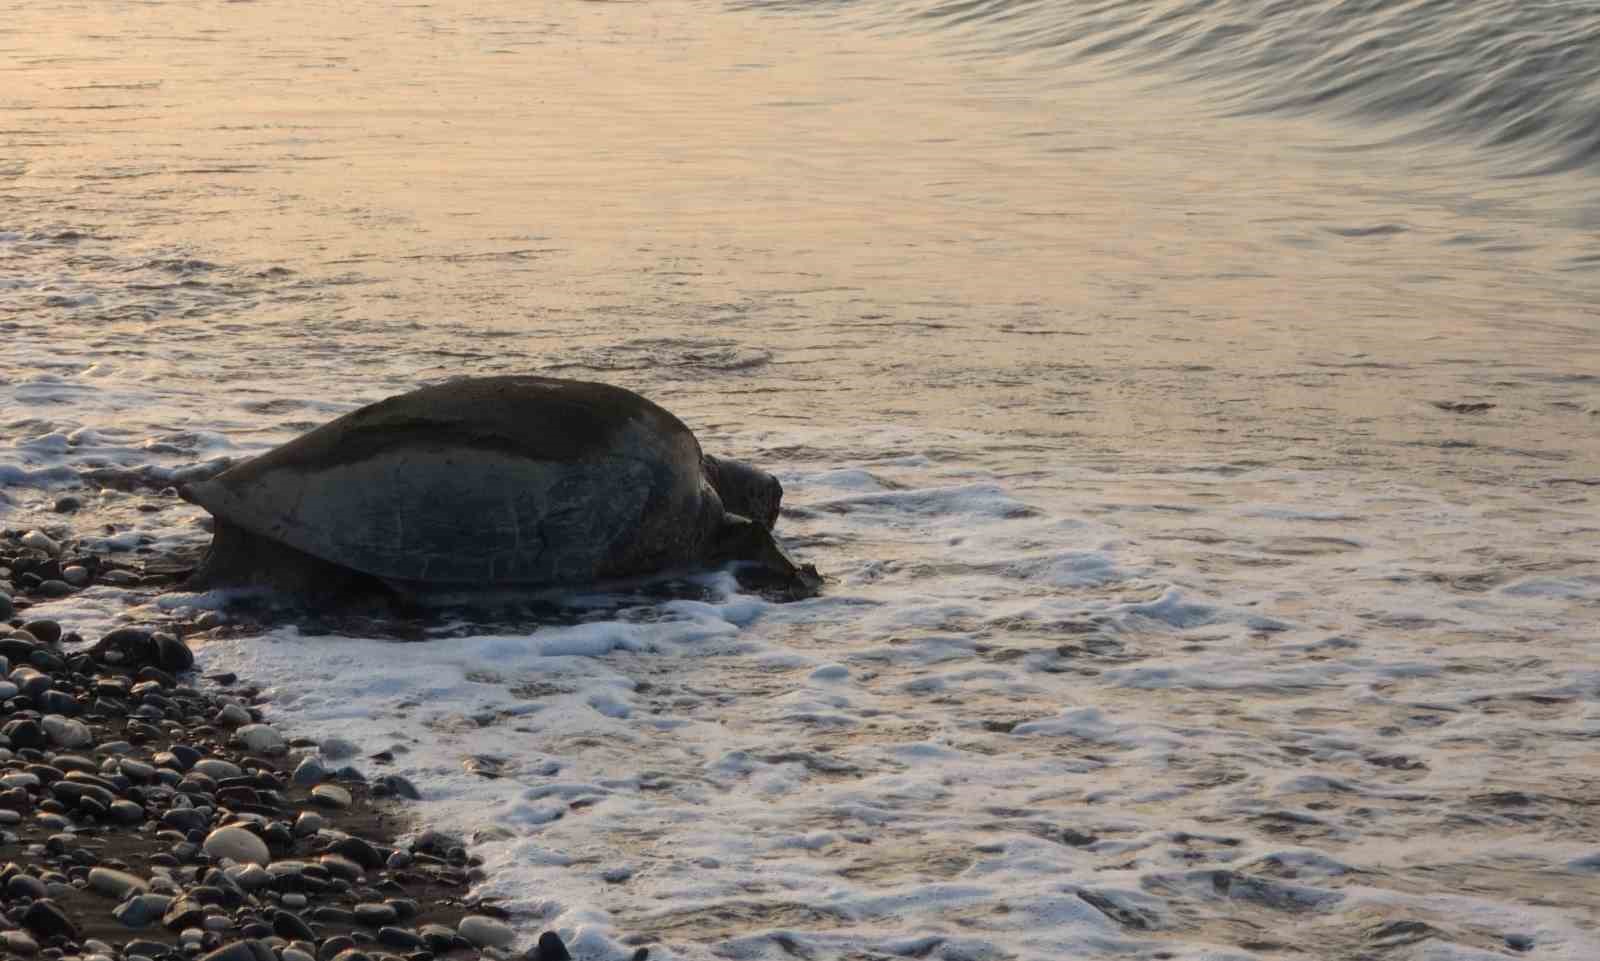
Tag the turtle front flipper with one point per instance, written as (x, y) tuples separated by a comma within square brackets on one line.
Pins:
[(768, 566)]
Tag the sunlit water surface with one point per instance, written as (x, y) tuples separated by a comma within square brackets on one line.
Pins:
[(1174, 610)]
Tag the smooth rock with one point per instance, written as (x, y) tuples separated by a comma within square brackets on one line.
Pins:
[(330, 796), (40, 541), (137, 912), (486, 932), (19, 943), (232, 715), (261, 739), (309, 772), (236, 844), (337, 748), (373, 913), (75, 575), (308, 823), (549, 948), (54, 588), (47, 921), (117, 884), (46, 632), (66, 732), (217, 769)]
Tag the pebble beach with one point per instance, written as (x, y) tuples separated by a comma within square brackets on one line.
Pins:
[(147, 813)]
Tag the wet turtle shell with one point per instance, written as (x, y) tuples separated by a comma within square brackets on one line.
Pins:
[(482, 482)]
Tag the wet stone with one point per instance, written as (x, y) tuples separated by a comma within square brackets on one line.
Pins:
[(46, 920), (216, 768), (309, 772), (287, 924), (330, 796), (232, 715), (261, 739), (374, 914), (139, 911), (45, 631), (117, 884), (236, 844), (486, 932)]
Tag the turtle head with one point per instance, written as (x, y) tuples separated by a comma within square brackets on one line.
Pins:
[(766, 565), (745, 490)]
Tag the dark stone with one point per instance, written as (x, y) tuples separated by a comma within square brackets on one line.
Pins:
[(287, 924), (25, 886), (59, 702), (360, 852), (374, 914), (183, 914), (549, 948), (67, 504), (24, 733), (400, 939), (400, 786), (53, 588), (185, 820), (173, 655), (153, 673), (334, 946), (46, 920), (48, 632), (15, 649)]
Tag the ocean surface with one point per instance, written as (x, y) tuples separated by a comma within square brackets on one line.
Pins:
[(1195, 407)]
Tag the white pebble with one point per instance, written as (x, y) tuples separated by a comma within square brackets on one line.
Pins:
[(486, 932), (261, 739), (236, 844)]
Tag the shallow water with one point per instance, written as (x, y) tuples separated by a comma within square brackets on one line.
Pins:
[(1175, 611)]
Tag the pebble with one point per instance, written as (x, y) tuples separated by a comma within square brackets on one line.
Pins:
[(374, 913), (6, 609), (237, 844), (40, 541), (232, 715), (75, 575), (337, 748), (331, 796), (18, 942), (139, 911), (66, 732), (117, 884), (486, 932), (261, 739), (216, 768), (67, 504), (309, 772), (45, 632), (308, 823)]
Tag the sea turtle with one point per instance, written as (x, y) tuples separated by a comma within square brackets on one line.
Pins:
[(491, 483)]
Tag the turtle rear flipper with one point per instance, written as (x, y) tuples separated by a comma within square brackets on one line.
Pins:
[(767, 566)]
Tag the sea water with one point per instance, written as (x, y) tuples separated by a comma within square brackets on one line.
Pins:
[(1193, 406)]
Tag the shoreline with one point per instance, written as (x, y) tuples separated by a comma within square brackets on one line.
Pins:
[(153, 815)]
